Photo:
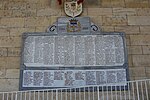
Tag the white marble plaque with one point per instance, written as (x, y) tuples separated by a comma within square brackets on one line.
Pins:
[(74, 51), (73, 78)]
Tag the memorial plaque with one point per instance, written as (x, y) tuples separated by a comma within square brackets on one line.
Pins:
[(73, 78), (73, 52)]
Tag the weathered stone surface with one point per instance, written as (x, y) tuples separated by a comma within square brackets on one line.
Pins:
[(31, 6), (99, 11), (141, 60), (5, 13), (4, 32), (31, 22), (14, 52), (128, 42), (53, 19), (1, 5), (137, 71), (64, 14), (4, 22), (146, 49), (143, 11), (9, 85), (49, 12), (16, 22), (145, 29), (15, 5), (134, 50), (41, 29), (140, 78), (3, 62), (12, 73), (90, 3), (13, 62), (108, 28), (96, 20), (130, 62), (54, 4), (10, 62), (114, 20), (10, 41), (30, 13), (117, 3), (12, 22), (18, 13), (124, 11), (140, 39), (2, 72), (106, 3), (37, 21), (84, 13), (41, 4), (139, 20), (148, 72), (19, 31), (128, 29), (23, 13), (32, 1), (136, 3), (3, 51)]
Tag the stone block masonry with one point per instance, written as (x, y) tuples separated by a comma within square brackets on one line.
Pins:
[(18, 16)]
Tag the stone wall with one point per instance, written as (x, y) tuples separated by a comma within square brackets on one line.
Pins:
[(18, 16)]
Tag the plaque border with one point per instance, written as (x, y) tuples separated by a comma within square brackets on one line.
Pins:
[(105, 88), (23, 67)]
